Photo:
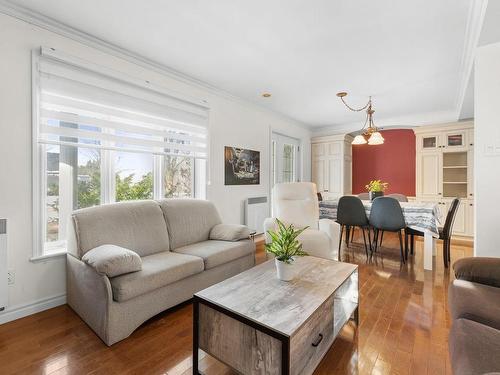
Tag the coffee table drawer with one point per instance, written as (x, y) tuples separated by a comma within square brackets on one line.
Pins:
[(310, 343)]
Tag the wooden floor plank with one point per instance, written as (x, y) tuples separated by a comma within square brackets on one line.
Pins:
[(403, 329)]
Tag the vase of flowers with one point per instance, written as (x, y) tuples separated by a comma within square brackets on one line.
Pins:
[(285, 247), (376, 188)]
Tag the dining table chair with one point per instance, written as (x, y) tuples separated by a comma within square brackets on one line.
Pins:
[(399, 198), (445, 232), (351, 214), (386, 215)]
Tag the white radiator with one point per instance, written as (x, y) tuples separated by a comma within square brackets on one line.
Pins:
[(256, 210), (3, 264)]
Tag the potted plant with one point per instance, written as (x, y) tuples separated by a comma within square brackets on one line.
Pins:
[(376, 188), (285, 247)]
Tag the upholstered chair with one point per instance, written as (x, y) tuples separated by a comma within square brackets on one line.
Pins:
[(297, 203)]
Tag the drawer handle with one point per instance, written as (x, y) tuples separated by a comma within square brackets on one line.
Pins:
[(318, 340)]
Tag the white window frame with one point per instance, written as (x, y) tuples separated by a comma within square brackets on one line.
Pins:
[(39, 186)]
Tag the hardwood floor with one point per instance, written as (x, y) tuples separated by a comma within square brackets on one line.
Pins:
[(403, 329)]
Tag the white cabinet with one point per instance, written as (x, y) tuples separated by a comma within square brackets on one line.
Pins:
[(331, 165), (445, 170)]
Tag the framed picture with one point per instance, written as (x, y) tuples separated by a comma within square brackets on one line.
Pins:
[(241, 166)]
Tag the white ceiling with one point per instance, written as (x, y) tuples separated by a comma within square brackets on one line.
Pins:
[(406, 54)]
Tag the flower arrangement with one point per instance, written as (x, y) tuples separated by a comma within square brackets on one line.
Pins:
[(377, 186)]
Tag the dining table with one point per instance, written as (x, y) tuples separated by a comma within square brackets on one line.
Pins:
[(422, 216)]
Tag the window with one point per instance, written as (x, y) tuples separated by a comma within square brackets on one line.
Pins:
[(100, 138)]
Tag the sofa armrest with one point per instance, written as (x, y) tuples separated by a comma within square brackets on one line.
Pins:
[(89, 294), (229, 232), (480, 270)]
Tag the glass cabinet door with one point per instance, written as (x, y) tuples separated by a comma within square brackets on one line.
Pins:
[(455, 139), (430, 142)]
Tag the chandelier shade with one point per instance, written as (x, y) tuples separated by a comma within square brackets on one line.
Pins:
[(376, 139), (359, 140)]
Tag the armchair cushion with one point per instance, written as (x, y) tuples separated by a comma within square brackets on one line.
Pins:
[(480, 270), (111, 260), (229, 232)]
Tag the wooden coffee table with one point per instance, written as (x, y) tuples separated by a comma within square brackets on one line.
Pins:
[(257, 324)]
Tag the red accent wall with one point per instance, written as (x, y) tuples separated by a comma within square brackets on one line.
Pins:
[(393, 162)]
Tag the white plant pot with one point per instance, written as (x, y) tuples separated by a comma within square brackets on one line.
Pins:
[(286, 272)]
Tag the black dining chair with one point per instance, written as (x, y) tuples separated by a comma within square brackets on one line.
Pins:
[(386, 215), (444, 232), (399, 198), (350, 214)]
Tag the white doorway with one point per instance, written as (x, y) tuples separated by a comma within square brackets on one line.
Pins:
[(284, 159)]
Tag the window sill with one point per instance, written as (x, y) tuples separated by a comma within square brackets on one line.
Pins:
[(48, 256)]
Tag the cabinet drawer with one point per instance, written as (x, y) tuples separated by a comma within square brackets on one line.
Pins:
[(310, 343)]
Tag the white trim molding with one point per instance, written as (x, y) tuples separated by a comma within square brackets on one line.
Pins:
[(20, 311), (477, 11)]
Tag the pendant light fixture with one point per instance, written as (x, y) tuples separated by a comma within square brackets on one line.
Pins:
[(369, 132)]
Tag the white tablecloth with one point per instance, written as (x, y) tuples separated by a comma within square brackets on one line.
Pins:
[(422, 216)]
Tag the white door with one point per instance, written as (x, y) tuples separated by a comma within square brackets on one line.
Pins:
[(285, 159)]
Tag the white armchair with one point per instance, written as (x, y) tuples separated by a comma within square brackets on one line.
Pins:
[(297, 203)]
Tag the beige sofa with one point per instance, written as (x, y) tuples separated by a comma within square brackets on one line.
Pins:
[(172, 239)]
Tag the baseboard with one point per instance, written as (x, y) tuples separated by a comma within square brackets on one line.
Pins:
[(20, 311)]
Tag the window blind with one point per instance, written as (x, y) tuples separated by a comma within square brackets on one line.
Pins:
[(85, 108)]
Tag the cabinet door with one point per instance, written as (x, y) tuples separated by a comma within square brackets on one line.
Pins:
[(470, 138), (429, 142), (470, 173), (318, 149), (318, 173), (430, 172), (455, 140), (460, 223), (470, 229), (334, 166)]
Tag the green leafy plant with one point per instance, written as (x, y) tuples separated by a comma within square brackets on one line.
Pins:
[(284, 244), (377, 185)]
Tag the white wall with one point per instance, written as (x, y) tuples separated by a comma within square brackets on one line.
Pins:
[(232, 122), (487, 150)]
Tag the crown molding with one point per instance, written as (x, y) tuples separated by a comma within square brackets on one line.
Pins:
[(37, 19), (477, 11)]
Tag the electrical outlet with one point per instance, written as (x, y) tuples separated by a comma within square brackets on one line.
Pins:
[(11, 277)]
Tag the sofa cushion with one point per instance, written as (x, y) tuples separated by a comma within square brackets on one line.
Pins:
[(157, 271), (229, 232), (136, 225), (111, 260), (474, 348), (473, 301), (214, 253), (189, 220)]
